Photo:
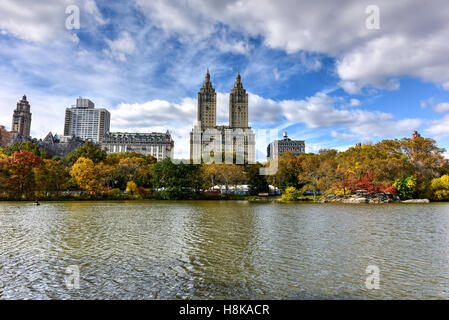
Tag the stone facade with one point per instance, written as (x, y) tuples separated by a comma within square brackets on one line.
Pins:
[(59, 146), (6, 137), (237, 139), (159, 145), (21, 119), (52, 144), (279, 147)]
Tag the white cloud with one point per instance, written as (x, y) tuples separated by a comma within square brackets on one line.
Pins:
[(158, 116), (343, 136), (319, 111), (43, 20), (91, 7), (121, 47), (355, 103), (441, 107), (440, 127), (411, 41)]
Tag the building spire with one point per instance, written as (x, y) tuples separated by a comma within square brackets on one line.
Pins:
[(238, 80), (207, 82)]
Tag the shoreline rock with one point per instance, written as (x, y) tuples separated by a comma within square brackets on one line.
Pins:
[(361, 197), (416, 201)]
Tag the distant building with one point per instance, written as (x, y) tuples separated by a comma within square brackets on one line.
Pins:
[(86, 122), (415, 135), (6, 137), (59, 146), (237, 138), (279, 147), (21, 119), (159, 145)]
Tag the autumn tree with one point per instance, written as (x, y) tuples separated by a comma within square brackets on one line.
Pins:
[(287, 173), (310, 173), (83, 172), (105, 174), (131, 187), (230, 174), (52, 176), (20, 176), (210, 174), (132, 169)]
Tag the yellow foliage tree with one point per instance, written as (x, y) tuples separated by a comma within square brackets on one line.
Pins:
[(131, 187), (440, 188), (83, 172), (291, 194)]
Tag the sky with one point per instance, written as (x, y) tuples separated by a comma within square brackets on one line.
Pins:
[(332, 73)]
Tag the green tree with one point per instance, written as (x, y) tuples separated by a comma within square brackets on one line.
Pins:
[(26, 146), (257, 183), (176, 181), (405, 187), (87, 150)]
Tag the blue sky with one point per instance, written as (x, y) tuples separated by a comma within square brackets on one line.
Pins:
[(312, 68)]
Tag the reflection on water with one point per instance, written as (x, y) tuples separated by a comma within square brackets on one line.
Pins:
[(223, 250)]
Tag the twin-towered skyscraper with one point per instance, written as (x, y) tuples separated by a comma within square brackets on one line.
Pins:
[(238, 104), (236, 139)]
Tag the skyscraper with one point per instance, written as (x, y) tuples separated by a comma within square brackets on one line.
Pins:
[(207, 104), (234, 141), (238, 105), (21, 119), (86, 122)]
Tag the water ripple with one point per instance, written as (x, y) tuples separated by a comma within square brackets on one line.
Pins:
[(222, 250)]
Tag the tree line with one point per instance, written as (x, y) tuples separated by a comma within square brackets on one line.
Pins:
[(27, 172), (409, 168)]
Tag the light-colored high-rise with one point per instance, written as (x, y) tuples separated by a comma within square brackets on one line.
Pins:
[(86, 122), (21, 119)]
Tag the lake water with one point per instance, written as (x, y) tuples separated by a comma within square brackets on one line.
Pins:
[(222, 250)]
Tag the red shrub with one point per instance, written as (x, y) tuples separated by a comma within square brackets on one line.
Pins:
[(391, 190)]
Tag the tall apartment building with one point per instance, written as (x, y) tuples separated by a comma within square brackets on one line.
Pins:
[(238, 105), (207, 104), (279, 147), (86, 122), (158, 145), (237, 139), (21, 119)]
